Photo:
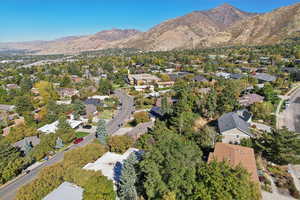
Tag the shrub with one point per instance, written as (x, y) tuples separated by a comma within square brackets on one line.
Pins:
[(119, 144)]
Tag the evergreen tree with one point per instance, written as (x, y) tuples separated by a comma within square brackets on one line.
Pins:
[(79, 108), (59, 143), (165, 106), (127, 190), (27, 147), (101, 132)]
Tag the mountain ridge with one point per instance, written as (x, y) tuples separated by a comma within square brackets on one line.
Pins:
[(224, 25)]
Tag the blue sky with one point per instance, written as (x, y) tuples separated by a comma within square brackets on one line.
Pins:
[(24, 20)]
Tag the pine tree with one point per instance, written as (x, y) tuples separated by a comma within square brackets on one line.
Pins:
[(101, 132), (127, 190), (27, 147), (165, 106), (59, 143)]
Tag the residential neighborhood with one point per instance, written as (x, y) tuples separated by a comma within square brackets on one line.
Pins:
[(217, 123)]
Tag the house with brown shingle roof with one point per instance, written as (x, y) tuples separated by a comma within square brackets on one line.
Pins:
[(236, 155), (249, 99)]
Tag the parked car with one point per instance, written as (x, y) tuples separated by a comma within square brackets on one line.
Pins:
[(87, 126), (78, 140)]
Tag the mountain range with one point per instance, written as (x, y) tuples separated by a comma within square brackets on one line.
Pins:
[(221, 26)]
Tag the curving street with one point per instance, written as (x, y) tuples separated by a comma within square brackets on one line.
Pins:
[(8, 191), (290, 117)]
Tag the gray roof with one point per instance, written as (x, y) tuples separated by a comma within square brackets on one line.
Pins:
[(66, 191), (236, 76), (265, 77), (200, 78), (231, 121), (6, 107), (34, 140)]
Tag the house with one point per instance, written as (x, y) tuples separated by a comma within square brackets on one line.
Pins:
[(156, 112), (165, 84), (35, 91), (67, 92), (264, 77), (12, 86), (32, 140), (7, 108), (236, 155), (233, 128), (76, 79), (175, 76), (66, 191), (51, 128), (110, 163), (101, 98), (223, 75), (64, 102), (200, 78), (93, 101), (142, 79), (17, 122), (144, 87), (245, 114), (249, 99), (236, 76)]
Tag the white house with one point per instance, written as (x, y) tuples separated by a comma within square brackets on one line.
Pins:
[(107, 163), (51, 128)]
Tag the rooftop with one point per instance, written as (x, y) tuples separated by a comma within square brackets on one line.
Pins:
[(106, 163), (235, 155), (66, 191), (265, 77), (232, 120), (6, 107)]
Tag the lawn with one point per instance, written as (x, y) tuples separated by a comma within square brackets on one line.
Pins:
[(106, 114), (81, 134)]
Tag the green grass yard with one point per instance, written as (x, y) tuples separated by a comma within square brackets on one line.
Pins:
[(81, 134)]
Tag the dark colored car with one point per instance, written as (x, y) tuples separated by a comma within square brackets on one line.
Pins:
[(87, 126), (78, 140)]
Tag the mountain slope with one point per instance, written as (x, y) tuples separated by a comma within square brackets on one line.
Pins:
[(74, 44), (188, 30)]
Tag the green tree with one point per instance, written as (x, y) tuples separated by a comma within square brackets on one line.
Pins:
[(105, 87), (98, 187), (101, 132), (279, 146), (119, 144), (128, 179), (164, 166), (79, 108), (23, 104), (235, 183), (141, 117), (26, 84), (262, 110), (165, 106), (65, 131)]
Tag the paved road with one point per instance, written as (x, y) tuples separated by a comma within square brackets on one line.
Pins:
[(140, 129), (291, 116), (8, 192)]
